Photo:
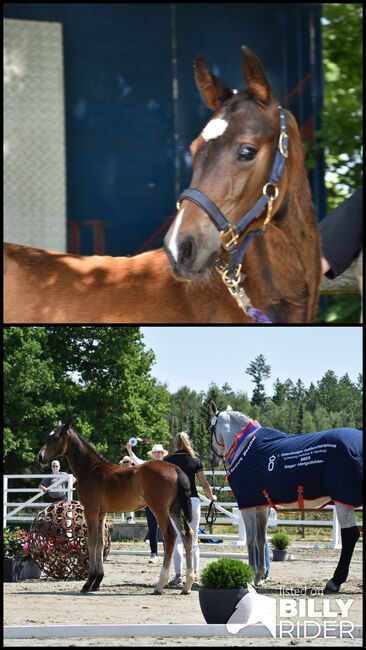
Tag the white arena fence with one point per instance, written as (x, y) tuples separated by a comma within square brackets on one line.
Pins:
[(227, 511)]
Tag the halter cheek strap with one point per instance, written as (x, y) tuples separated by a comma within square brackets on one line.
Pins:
[(230, 234)]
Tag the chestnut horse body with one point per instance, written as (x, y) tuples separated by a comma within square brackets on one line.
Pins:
[(106, 487), (232, 162), (49, 287)]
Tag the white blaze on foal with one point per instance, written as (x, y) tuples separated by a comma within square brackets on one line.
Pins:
[(173, 241), (214, 128)]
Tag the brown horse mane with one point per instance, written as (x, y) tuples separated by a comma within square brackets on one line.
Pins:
[(77, 440)]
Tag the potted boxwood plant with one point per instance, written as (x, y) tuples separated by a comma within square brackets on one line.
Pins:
[(223, 584), (280, 542), (13, 562), (18, 564)]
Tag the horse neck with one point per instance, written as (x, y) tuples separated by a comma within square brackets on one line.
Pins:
[(241, 421), (81, 456)]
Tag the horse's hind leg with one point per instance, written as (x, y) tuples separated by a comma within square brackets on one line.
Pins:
[(349, 535), (261, 523), (186, 533), (99, 554), (169, 536)]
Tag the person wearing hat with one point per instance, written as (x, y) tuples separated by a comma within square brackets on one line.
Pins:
[(127, 462), (156, 453)]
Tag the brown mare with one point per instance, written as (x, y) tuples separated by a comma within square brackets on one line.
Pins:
[(105, 487), (248, 211), (282, 267)]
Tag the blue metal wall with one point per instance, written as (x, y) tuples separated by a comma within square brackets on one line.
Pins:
[(127, 136)]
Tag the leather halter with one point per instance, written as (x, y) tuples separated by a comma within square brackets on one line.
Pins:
[(230, 234)]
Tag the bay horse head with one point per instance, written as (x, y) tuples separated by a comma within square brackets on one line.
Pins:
[(247, 167), (57, 443)]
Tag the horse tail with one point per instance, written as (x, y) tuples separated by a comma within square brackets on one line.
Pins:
[(183, 497)]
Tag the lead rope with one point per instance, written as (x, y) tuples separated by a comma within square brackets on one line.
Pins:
[(211, 514)]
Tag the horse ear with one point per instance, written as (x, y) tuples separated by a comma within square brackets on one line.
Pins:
[(213, 91), (69, 423), (213, 408), (255, 77)]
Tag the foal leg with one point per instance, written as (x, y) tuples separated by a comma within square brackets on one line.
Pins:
[(92, 525), (99, 553), (169, 535), (349, 535), (186, 533)]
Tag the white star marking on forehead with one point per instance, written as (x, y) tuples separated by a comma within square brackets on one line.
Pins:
[(214, 128)]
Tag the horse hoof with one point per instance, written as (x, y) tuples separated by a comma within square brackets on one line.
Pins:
[(185, 592), (157, 592), (331, 588)]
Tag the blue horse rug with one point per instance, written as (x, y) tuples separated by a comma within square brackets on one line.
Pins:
[(298, 470)]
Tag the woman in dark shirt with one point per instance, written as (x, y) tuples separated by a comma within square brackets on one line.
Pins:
[(185, 457)]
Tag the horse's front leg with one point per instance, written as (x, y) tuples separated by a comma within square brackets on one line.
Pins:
[(349, 536), (99, 553), (92, 525), (250, 531), (169, 535)]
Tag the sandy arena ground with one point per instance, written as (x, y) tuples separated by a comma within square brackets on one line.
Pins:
[(126, 597)]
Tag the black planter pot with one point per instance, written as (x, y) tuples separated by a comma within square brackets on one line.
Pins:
[(13, 569), (31, 570), (217, 605), (279, 555)]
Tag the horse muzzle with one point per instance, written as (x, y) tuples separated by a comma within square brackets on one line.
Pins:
[(41, 457), (182, 257), (188, 260)]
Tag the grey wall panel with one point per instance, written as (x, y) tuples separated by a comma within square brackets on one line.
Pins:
[(34, 149)]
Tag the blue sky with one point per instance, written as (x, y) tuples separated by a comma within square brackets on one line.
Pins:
[(196, 356)]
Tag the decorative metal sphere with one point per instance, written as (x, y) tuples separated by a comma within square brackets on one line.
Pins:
[(58, 541)]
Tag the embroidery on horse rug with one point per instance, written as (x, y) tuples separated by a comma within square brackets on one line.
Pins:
[(304, 470)]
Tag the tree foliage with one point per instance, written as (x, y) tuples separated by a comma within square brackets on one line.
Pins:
[(341, 132), (102, 377)]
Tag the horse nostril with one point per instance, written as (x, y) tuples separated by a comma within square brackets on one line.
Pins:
[(187, 252)]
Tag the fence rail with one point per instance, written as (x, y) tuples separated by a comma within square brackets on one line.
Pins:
[(226, 516)]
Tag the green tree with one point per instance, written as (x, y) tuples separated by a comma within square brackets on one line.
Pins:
[(35, 395), (341, 132), (101, 376), (259, 370)]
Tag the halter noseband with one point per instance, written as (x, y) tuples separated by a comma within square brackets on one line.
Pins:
[(231, 273)]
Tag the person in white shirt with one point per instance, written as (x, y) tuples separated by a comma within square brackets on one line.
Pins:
[(157, 453)]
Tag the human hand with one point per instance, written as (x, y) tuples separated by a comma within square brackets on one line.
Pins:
[(325, 266), (129, 446)]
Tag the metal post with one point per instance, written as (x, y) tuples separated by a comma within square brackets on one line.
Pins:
[(70, 486), (5, 499)]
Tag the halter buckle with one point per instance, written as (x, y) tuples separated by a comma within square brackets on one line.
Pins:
[(232, 281), (271, 199), (229, 238), (283, 144)]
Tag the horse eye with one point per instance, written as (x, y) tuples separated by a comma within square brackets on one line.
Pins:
[(246, 152)]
